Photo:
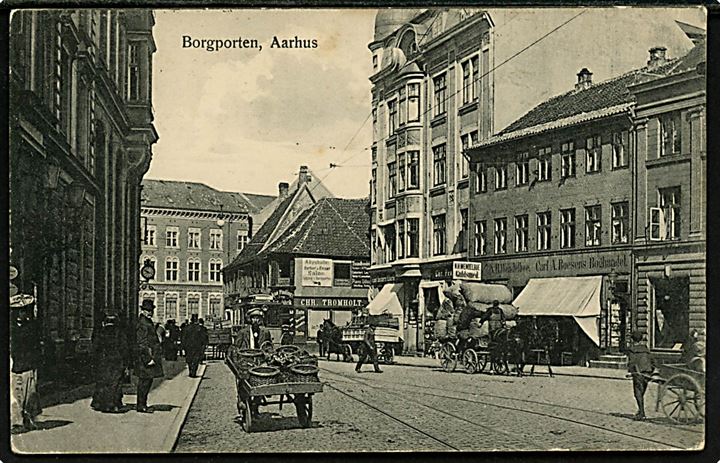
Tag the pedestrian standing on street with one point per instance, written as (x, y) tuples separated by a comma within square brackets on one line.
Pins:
[(25, 358), (193, 340), (206, 339), (109, 354), (320, 341), (148, 361), (172, 335), (641, 366), (254, 335), (368, 349)]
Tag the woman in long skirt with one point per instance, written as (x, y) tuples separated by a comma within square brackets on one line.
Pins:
[(109, 354)]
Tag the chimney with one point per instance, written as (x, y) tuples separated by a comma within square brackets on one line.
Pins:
[(584, 79), (303, 177), (657, 57), (283, 190)]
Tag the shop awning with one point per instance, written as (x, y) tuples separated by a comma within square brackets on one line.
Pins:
[(387, 301), (577, 297)]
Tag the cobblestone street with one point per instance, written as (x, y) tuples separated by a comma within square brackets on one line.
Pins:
[(415, 408)]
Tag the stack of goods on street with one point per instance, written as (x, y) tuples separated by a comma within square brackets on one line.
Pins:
[(286, 364), (476, 296)]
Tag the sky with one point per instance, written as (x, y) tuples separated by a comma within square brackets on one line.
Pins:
[(245, 120)]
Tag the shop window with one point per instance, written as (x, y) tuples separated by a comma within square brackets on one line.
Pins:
[(670, 306), (341, 274)]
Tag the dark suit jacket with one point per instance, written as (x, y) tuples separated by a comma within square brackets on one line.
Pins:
[(639, 359), (147, 348), (243, 339)]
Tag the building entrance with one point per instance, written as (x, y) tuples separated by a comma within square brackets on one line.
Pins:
[(670, 311)]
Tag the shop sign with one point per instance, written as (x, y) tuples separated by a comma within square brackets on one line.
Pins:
[(466, 271), (564, 265), (317, 272), (381, 279), (331, 302)]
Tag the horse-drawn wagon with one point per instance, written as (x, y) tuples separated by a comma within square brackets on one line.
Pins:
[(274, 377), (387, 338)]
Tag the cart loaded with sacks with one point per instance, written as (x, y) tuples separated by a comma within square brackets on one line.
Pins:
[(274, 377)]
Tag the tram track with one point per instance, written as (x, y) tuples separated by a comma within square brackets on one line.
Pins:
[(400, 390)]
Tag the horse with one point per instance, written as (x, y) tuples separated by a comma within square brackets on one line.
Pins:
[(509, 346), (332, 339)]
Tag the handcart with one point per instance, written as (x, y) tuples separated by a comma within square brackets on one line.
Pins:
[(681, 392)]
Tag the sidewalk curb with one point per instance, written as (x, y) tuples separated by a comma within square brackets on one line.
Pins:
[(174, 431)]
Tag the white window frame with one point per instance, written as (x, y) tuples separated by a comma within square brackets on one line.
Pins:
[(544, 230), (176, 269), (195, 271), (522, 170), (215, 276), (619, 149), (218, 244), (568, 221), (593, 226), (480, 237), (567, 159), (545, 164), (439, 101), (620, 223), (480, 178), (521, 232), (190, 233), (242, 239), (439, 247), (150, 240), (176, 296), (593, 154), (172, 235), (501, 177)]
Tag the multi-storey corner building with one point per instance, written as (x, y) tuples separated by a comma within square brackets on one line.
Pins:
[(670, 200), (311, 253), (432, 95), (191, 232), (604, 182), (81, 132)]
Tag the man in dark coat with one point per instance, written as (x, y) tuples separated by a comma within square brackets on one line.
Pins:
[(194, 342), (254, 335), (109, 345), (320, 341), (495, 318), (368, 349), (172, 336), (25, 356), (148, 359), (641, 366)]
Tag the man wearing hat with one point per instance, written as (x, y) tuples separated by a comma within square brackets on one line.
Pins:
[(194, 343), (24, 361), (148, 360), (254, 335), (368, 349)]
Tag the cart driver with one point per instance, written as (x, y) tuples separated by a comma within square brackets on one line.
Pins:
[(254, 335)]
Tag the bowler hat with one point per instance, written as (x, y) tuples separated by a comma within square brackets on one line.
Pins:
[(148, 304)]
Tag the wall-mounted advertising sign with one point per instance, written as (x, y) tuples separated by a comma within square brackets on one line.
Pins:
[(317, 272), (466, 271)]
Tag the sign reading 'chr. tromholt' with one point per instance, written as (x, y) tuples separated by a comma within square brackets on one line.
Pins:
[(317, 272)]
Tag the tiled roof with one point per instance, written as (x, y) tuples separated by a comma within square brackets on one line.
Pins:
[(198, 196), (257, 242), (332, 227), (599, 100)]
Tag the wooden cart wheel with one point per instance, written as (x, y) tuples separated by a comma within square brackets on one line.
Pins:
[(448, 359), (499, 365), (247, 416), (682, 399), (470, 362), (303, 406)]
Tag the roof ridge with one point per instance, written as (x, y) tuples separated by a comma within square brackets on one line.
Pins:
[(352, 230), (296, 228)]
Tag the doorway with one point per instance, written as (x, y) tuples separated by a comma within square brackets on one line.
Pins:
[(670, 312)]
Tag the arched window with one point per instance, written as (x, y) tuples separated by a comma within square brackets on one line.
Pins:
[(215, 267)]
